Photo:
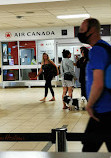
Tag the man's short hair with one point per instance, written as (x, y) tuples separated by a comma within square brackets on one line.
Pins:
[(92, 22)]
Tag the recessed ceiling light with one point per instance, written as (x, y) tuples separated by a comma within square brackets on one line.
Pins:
[(19, 17), (73, 16)]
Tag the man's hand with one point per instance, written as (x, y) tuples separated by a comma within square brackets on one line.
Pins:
[(91, 113)]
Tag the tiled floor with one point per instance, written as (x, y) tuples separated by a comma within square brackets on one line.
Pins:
[(22, 112)]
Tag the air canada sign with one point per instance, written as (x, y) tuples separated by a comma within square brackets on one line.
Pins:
[(38, 33)]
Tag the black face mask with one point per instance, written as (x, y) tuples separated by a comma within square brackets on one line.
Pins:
[(83, 38)]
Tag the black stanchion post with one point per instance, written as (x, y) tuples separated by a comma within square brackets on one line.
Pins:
[(61, 145)]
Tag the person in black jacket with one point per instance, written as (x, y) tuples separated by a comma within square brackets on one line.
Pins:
[(81, 63)]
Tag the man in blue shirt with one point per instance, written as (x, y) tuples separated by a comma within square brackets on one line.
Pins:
[(99, 98)]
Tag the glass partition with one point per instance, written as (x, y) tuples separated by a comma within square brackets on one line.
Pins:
[(27, 53), (24, 59), (9, 53), (28, 74), (45, 46), (10, 75)]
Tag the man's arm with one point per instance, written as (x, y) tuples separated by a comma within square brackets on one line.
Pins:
[(96, 90)]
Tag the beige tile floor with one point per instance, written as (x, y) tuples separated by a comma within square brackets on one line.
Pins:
[(22, 112)]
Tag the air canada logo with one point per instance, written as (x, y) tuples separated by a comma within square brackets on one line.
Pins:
[(42, 44), (8, 34)]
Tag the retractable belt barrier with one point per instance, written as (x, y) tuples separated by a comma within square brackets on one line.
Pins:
[(50, 137), (26, 137), (57, 136)]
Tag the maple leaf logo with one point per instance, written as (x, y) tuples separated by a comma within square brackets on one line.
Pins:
[(8, 34)]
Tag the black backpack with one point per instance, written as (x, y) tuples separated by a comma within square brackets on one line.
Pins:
[(107, 77)]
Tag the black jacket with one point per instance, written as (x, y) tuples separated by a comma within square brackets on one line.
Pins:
[(81, 63)]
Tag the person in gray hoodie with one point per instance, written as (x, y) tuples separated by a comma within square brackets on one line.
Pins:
[(67, 67)]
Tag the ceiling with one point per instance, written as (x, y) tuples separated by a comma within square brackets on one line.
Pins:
[(36, 15)]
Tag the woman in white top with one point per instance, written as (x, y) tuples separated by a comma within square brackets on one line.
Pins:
[(67, 67)]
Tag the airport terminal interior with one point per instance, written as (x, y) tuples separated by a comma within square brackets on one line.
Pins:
[(28, 29)]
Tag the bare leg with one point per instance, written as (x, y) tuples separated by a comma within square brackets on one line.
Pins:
[(70, 90), (65, 89)]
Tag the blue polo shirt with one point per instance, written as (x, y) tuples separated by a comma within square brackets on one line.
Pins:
[(98, 59)]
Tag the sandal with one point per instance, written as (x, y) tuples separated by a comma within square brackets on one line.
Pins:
[(52, 100), (42, 100)]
